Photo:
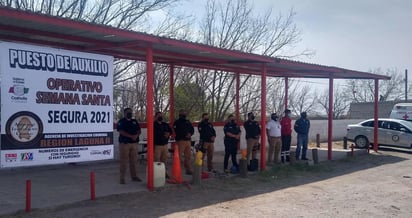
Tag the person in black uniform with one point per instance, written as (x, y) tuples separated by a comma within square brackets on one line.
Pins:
[(129, 131), (232, 137), (207, 138), (252, 129), (184, 130), (162, 132)]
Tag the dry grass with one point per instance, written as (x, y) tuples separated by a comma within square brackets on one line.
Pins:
[(335, 145)]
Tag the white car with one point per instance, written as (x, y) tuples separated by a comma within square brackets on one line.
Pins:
[(391, 132)]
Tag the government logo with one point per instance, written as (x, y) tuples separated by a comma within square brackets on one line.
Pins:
[(26, 156), (24, 129)]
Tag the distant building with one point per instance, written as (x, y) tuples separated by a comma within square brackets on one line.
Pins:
[(364, 110)]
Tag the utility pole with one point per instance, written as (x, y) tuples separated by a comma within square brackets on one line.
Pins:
[(406, 85)]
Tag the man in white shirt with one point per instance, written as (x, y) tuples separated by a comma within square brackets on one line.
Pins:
[(273, 130)]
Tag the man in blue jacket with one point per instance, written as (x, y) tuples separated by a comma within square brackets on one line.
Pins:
[(301, 127)]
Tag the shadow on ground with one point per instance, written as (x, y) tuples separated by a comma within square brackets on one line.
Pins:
[(173, 199)]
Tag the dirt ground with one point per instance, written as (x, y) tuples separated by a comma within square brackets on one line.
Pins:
[(375, 185)]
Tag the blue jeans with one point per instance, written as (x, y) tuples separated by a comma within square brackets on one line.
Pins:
[(302, 142)]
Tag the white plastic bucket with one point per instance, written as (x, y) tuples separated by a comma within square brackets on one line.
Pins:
[(159, 179)]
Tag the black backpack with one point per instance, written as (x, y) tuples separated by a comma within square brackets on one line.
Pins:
[(254, 165)]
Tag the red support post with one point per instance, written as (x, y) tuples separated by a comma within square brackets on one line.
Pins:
[(330, 117), (286, 92), (171, 94), (352, 152), (150, 119), (237, 107), (375, 129), (28, 196), (263, 119), (92, 187)]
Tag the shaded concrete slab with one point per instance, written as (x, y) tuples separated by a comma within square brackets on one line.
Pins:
[(62, 184)]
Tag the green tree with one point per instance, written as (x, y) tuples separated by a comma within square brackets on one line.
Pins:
[(190, 97)]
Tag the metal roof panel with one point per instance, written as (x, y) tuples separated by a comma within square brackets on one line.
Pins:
[(29, 27)]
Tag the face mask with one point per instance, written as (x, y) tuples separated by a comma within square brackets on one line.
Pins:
[(275, 118), (233, 121), (183, 116), (129, 115), (160, 119), (206, 120), (252, 117)]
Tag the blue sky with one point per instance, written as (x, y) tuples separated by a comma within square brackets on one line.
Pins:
[(355, 34)]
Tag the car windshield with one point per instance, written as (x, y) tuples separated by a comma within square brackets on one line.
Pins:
[(408, 124)]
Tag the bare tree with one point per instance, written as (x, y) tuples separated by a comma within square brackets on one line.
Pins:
[(232, 24), (124, 97), (126, 14), (363, 90), (301, 99), (249, 96), (276, 94), (340, 103)]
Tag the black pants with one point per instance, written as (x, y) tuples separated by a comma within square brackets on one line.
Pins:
[(230, 150), (284, 154)]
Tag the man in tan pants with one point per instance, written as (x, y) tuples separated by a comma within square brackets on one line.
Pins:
[(273, 130), (162, 132), (252, 130), (207, 138), (184, 130), (129, 131)]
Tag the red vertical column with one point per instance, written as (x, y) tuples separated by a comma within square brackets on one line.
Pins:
[(330, 117), (237, 107), (263, 119), (28, 196), (171, 94), (150, 119), (375, 129), (92, 186), (286, 92)]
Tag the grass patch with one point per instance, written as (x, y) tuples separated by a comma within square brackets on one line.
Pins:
[(297, 170), (298, 173)]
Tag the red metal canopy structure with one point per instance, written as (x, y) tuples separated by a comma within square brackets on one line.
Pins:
[(34, 28)]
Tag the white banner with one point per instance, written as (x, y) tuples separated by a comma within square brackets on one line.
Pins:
[(54, 100)]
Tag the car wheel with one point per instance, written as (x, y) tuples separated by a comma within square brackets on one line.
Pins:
[(361, 142)]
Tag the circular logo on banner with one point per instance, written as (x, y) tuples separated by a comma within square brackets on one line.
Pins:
[(24, 128), (395, 138)]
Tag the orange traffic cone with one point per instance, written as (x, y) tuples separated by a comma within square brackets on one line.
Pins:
[(176, 170)]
